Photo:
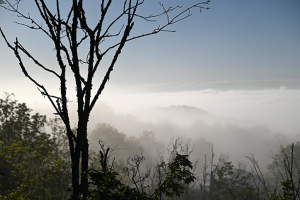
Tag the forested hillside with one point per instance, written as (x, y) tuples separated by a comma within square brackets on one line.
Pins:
[(35, 164)]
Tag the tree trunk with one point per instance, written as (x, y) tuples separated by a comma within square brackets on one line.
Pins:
[(84, 164), (75, 177)]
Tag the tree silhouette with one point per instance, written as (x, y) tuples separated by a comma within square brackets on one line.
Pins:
[(68, 29)]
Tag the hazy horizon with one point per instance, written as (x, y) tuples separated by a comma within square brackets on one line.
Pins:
[(238, 123)]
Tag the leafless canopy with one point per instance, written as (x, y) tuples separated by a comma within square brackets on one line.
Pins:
[(75, 28), (68, 27)]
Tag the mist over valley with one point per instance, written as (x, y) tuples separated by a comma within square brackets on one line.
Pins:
[(231, 136)]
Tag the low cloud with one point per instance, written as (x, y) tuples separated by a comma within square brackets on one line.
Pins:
[(237, 122), (278, 109)]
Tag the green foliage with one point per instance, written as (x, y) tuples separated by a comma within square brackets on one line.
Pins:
[(229, 182), (107, 186), (178, 172), (287, 192), (30, 165), (17, 194)]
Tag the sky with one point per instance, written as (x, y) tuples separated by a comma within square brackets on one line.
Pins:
[(239, 59)]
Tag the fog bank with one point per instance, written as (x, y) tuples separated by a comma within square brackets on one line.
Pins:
[(237, 122)]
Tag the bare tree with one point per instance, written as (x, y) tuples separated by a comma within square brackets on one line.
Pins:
[(286, 166), (68, 31)]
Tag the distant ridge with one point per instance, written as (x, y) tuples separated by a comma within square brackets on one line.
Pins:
[(178, 114), (183, 109)]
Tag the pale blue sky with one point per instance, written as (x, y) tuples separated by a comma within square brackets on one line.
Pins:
[(235, 43), (235, 40), (242, 51)]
